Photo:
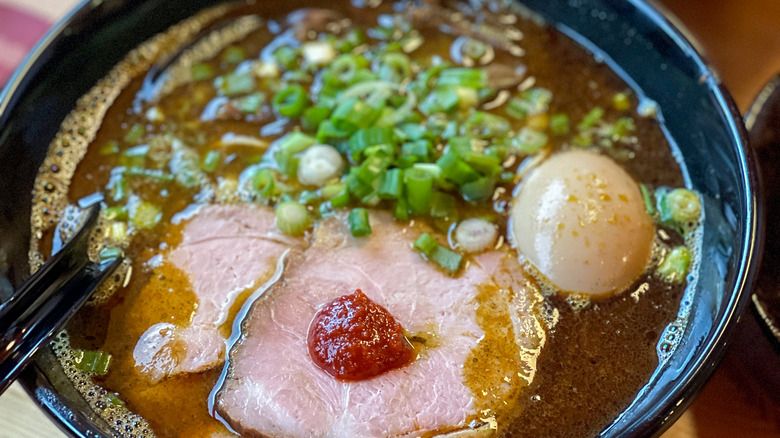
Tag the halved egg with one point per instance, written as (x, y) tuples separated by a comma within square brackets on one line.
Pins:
[(579, 218)]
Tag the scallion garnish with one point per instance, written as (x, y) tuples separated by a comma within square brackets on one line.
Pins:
[(464, 77), (449, 260), (426, 244), (292, 218), (391, 185), (92, 362), (419, 190), (359, 224), (211, 161), (675, 265), (290, 101)]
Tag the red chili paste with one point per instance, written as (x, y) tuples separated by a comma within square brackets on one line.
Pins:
[(353, 338)]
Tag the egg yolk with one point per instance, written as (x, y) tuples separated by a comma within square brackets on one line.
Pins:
[(579, 218)]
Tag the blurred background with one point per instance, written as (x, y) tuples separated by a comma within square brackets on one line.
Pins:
[(741, 38)]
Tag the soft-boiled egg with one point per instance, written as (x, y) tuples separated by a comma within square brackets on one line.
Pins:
[(580, 220)]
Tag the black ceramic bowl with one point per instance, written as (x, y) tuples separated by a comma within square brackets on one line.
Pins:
[(638, 41)]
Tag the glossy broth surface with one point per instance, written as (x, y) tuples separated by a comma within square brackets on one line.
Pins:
[(598, 354)]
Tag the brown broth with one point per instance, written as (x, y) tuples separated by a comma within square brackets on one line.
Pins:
[(596, 358)]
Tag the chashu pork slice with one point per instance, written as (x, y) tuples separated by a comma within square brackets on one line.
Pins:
[(273, 388), (224, 250)]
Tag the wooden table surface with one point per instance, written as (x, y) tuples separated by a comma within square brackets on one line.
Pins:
[(742, 40)]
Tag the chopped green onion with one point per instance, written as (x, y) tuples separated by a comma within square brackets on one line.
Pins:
[(358, 187), (233, 55), (290, 101), (92, 362), (478, 190), (353, 114), (308, 197), (621, 102), (380, 149), (327, 133), (622, 127), (559, 124), (473, 48), (423, 81), (449, 260), (485, 125), (583, 139), (414, 131), (117, 213), (359, 225), (295, 142), (288, 164), (251, 103), (442, 205), (679, 207), (343, 69), (590, 120), (287, 57), (201, 71), (134, 135), (373, 167), (391, 184), (233, 84), (145, 215), (414, 152), (529, 141), (455, 169), (330, 191), (402, 209), (533, 101), (675, 265), (467, 97), (313, 116), (292, 218), (426, 244), (110, 253), (263, 183), (341, 199), (352, 39), (474, 153), (430, 168), (211, 161), (464, 77), (443, 99), (288, 146), (648, 198), (394, 67), (372, 199), (110, 148), (364, 138), (419, 190), (114, 399), (296, 76)]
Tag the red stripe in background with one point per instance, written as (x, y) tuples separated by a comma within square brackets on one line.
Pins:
[(19, 31)]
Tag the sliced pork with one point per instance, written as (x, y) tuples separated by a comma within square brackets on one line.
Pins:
[(224, 251), (273, 388)]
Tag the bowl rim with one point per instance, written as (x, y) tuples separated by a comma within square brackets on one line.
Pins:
[(663, 415)]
